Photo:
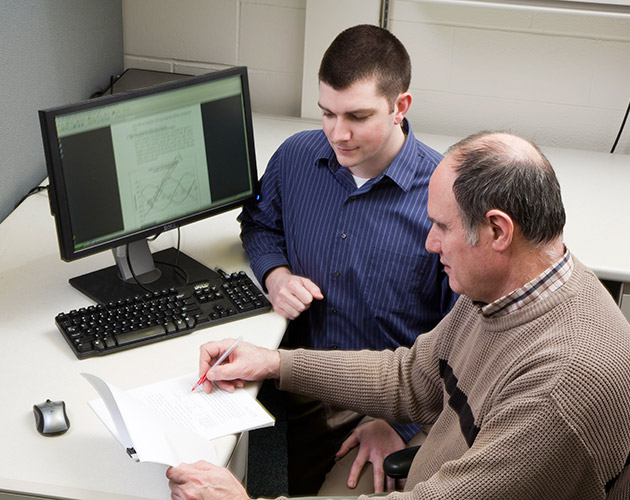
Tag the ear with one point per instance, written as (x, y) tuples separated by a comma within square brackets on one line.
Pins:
[(502, 228), (402, 105)]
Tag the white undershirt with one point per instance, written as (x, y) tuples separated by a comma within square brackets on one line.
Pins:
[(360, 180)]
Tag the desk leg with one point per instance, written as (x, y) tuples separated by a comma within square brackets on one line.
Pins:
[(625, 301), (238, 461), (615, 288)]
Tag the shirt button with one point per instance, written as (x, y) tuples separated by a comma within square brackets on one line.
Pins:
[(334, 311), (344, 236), (336, 274), (353, 197), (334, 347)]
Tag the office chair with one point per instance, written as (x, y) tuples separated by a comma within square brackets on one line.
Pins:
[(396, 465)]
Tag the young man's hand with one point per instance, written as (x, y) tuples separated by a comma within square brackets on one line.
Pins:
[(289, 294)]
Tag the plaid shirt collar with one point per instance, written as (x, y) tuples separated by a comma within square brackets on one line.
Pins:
[(542, 286)]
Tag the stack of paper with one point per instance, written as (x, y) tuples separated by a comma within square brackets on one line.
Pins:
[(168, 424)]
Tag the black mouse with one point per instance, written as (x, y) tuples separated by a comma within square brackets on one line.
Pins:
[(51, 418)]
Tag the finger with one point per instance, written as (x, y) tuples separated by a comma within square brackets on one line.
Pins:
[(347, 445), (205, 356), (170, 472), (285, 311), (379, 477), (229, 386), (210, 352), (355, 471), (313, 289), (300, 293), (226, 372), (390, 484), (225, 386), (177, 474), (296, 299)]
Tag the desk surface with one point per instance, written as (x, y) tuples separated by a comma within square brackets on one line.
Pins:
[(87, 462)]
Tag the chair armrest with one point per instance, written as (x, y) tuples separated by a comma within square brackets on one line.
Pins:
[(396, 465)]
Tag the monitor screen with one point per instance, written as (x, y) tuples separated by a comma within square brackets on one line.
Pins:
[(128, 166)]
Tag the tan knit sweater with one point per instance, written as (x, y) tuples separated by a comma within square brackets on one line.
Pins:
[(532, 405)]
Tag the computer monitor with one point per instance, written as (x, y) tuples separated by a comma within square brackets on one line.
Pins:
[(125, 167)]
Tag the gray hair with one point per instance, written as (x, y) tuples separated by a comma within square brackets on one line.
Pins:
[(502, 171)]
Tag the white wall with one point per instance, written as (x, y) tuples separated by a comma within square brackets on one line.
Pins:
[(560, 76), (324, 20), (197, 36)]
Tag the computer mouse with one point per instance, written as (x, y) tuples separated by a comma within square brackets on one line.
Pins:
[(51, 418)]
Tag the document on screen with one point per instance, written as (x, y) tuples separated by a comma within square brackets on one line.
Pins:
[(167, 423)]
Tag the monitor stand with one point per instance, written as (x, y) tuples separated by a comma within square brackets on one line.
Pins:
[(106, 285)]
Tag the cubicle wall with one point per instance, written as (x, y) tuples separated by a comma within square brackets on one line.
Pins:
[(53, 52)]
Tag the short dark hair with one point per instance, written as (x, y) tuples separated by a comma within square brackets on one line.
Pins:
[(494, 174), (366, 51)]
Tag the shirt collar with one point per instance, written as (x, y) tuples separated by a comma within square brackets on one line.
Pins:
[(398, 170), (541, 286)]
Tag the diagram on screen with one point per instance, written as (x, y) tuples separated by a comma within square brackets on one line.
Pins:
[(167, 188)]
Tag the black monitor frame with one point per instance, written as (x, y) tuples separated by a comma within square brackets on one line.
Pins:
[(131, 253)]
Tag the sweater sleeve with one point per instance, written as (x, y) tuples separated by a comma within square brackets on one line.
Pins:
[(380, 384)]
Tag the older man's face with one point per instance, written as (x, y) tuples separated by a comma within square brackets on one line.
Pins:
[(468, 267)]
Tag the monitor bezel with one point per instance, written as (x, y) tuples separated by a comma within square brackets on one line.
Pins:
[(56, 188)]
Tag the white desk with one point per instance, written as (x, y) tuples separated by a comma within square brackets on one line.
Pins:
[(36, 363), (86, 462)]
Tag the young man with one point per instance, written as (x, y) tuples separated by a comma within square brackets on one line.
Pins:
[(526, 381), (337, 238)]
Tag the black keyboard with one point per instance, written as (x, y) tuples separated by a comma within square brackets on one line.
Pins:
[(118, 325)]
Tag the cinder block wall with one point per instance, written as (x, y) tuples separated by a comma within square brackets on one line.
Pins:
[(557, 72), (560, 76), (197, 36)]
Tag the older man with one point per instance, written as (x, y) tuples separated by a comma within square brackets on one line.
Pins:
[(526, 381)]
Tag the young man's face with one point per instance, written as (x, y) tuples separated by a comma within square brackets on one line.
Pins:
[(361, 127)]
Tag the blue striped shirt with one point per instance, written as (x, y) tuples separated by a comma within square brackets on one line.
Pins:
[(364, 247)]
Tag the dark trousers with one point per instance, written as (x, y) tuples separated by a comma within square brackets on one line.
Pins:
[(315, 432)]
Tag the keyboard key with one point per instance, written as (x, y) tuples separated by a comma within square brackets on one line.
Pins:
[(135, 335)]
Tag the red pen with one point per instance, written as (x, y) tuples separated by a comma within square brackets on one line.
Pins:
[(218, 362)]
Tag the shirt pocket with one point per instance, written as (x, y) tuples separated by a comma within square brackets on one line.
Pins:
[(398, 282)]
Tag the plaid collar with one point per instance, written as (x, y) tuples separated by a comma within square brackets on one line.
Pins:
[(541, 286)]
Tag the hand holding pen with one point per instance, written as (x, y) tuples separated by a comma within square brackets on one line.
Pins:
[(218, 362), (247, 362)]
